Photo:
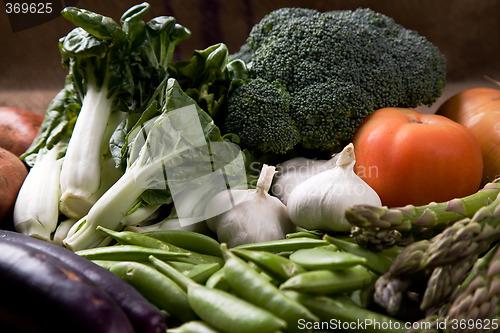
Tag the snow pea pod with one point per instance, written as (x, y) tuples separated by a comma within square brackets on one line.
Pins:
[(325, 257), (251, 286), (182, 267), (189, 240), (341, 310), (200, 273), (229, 313), (276, 266), (284, 245), (325, 282), (129, 253), (221, 309), (305, 233), (134, 238), (376, 261), (180, 279), (156, 287), (218, 280)]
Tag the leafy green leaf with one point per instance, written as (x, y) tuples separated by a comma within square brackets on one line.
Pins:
[(98, 25)]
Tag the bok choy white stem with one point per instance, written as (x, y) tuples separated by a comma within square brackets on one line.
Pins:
[(81, 170), (174, 139), (36, 210)]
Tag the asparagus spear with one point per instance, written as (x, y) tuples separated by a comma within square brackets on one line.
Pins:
[(480, 299), (475, 301), (463, 240), (378, 227), (443, 282)]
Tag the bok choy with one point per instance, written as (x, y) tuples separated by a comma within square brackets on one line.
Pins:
[(113, 69), (182, 152)]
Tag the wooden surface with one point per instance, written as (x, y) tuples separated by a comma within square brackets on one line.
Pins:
[(466, 31)]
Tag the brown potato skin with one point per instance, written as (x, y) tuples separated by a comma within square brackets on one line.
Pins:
[(18, 129), (12, 174)]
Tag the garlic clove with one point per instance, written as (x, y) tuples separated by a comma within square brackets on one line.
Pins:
[(294, 171), (320, 201), (248, 216)]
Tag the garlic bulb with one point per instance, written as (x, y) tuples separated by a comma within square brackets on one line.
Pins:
[(320, 201), (249, 216), (294, 171)]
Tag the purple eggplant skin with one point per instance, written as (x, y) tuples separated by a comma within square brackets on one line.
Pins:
[(145, 318), (53, 296)]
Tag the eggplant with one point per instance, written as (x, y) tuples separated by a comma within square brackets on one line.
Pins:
[(144, 317), (52, 297)]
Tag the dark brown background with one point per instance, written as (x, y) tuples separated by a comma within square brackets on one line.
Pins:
[(466, 31)]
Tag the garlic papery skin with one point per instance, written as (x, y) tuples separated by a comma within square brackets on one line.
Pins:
[(320, 202), (249, 216), (294, 171)]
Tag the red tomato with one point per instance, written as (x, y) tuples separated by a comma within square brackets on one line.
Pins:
[(409, 157)]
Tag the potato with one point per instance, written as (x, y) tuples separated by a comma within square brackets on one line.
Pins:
[(12, 175), (18, 129)]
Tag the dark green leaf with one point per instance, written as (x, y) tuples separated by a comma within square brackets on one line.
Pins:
[(98, 25)]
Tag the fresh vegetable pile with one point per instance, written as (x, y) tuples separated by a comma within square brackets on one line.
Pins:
[(284, 188)]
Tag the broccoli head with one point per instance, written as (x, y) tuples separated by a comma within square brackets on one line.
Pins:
[(314, 76)]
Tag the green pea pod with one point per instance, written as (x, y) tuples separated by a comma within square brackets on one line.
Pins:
[(325, 257), (180, 279), (156, 288), (130, 253), (276, 266), (377, 262), (231, 314), (305, 233), (182, 267), (218, 280), (251, 286), (106, 263), (200, 273), (134, 238), (284, 245), (189, 240), (195, 326), (341, 312), (325, 282), (364, 297)]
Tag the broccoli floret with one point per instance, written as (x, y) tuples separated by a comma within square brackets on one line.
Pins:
[(337, 67), (259, 109)]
